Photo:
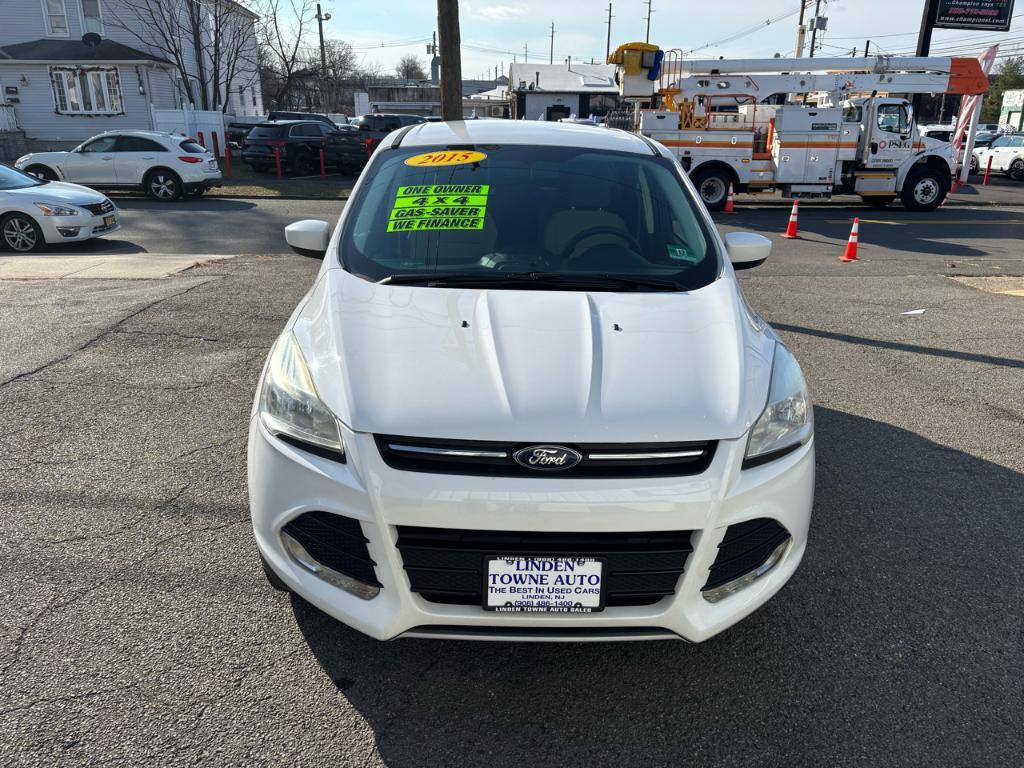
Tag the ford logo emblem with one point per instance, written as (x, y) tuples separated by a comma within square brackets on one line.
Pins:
[(547, 457)]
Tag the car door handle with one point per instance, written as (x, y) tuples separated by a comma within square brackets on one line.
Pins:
[(107, 158), (147, 157)]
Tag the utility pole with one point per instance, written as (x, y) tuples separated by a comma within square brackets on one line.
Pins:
[(649, 12), (801, 31), (924, 42), (608, 43), (451, 62), (526, 53), (814, 32), (321, 17), (551, 56)]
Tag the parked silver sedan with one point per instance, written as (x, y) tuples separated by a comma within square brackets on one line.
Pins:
[(35, 212)]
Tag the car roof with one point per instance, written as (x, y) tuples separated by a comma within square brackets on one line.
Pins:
[(530, 132), (284, 122), (145, 134)]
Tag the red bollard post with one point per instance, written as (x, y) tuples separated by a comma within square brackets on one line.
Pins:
[(277, 161), (988, 170), (202, 140), (323, 168), (227, 158)]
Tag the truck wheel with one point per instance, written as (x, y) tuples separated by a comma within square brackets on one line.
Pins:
[(878, 201), (713, 186), (924, 189), (1016, 171)]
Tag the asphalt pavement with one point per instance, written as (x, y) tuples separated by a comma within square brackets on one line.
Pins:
[(136, 627)]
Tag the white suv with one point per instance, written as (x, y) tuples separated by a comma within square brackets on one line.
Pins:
[(526, 399), (162, 165)]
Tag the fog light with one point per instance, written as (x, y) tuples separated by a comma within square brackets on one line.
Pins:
[(715, 594), (299, 554), (68, 231)]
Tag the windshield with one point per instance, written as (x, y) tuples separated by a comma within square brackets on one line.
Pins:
[(11, 178), (491, 213)]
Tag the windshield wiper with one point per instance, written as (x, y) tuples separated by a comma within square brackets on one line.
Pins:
[(534, 280)]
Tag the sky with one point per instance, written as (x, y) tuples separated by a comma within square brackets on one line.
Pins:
[(495, 31)]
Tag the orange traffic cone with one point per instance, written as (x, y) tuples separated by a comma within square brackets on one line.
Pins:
[(791, 229), (730, 206), (851, 245)]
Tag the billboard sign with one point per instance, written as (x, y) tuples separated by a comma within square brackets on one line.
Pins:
[(991, 15)]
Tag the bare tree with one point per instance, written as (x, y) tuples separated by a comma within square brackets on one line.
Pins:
[(211, 43), (409, 68), (285, 26)]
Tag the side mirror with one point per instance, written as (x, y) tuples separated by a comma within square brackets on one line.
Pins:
[(308, 237), (747, 249)]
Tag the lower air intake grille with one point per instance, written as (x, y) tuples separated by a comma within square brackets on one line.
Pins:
[(336, 542), (446, 565), (746, 546)]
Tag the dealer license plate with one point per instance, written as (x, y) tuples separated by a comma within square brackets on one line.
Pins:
[(108, 221), (528, 584)]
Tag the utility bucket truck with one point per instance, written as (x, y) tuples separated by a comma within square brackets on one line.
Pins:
[(842, 125)]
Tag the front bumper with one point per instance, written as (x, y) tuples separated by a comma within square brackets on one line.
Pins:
[(74, 229), (285, 482)]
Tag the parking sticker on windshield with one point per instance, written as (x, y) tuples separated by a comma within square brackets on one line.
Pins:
[(439, 207), (435, 159)]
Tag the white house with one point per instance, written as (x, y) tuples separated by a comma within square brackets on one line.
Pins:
[(556, 91), (70, 69)]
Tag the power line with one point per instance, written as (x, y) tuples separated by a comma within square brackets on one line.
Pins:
[(750, 30)]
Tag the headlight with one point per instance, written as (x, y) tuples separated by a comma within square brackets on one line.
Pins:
[(21, 161), (788, 420), (57, 210), (290, 407)]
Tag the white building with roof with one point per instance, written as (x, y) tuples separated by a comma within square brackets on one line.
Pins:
[(555, 91)]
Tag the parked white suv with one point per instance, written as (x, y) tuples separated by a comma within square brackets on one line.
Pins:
[(163, 165), (1007, 153), (525, 399)]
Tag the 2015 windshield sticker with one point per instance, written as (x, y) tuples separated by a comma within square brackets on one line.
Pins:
[(439, 207), (435, 159)]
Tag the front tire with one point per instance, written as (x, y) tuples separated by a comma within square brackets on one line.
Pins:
[(303, 165), (713, 187), (41, 172), (20, 233), (924, 190), (1016, 170), (975, 168), (163, 186)]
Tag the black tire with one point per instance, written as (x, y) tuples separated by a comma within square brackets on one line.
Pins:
[(924, 189), (163, 186), (974, 164), (877, 201), (712, 184), (303, 165), (272, 578), (41, 172), (1016, 170), (20, 233)]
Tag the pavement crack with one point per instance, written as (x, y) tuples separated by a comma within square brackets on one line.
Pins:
[(167, 334), (106, 332), (70, 697)]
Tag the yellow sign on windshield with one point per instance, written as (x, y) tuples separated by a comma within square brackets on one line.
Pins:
[(454, 157)]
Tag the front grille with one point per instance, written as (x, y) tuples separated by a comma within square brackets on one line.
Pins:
[(447, 565), (494, 459), (746, 546), (336, 542), (98, 209)]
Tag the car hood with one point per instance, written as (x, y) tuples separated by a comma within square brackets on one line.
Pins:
[(44, 158), (60, 192), (536, 365)]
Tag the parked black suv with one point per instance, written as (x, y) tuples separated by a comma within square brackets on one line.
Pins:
[(277, 116), (298, 143), (376, 126)]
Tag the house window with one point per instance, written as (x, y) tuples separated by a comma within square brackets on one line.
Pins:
[(56, 18), (92, 19), (81, 91)]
